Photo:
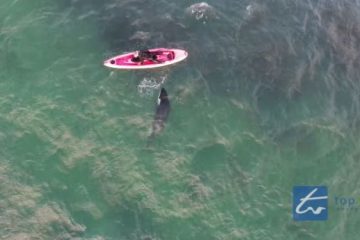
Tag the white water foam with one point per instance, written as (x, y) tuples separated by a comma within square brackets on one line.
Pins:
[(149, 85)]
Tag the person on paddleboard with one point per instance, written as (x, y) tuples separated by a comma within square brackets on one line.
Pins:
[(142, 55)]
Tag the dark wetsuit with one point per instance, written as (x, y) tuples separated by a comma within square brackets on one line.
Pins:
[(146, 55)]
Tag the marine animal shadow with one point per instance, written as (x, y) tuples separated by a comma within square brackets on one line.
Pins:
[(161, 115)]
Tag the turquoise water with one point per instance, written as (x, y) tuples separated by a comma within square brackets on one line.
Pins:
[(268, 99)]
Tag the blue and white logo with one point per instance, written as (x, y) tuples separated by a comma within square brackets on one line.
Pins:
[(310, 203)]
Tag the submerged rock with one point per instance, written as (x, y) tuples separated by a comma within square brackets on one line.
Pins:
[(141, 36), (201, 12), (254, 12)]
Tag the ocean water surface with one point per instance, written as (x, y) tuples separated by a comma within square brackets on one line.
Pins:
[(268, 99)]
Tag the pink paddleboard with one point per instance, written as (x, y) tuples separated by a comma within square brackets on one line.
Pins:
[(165, 57)]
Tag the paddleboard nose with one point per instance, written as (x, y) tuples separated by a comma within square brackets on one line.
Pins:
[(109, 62)]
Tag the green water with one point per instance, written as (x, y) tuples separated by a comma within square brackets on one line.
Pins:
[(267, 100)]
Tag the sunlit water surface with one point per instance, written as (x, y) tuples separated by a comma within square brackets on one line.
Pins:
[(269, 98)]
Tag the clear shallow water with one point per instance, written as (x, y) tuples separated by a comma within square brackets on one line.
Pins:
[(268, 99)]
